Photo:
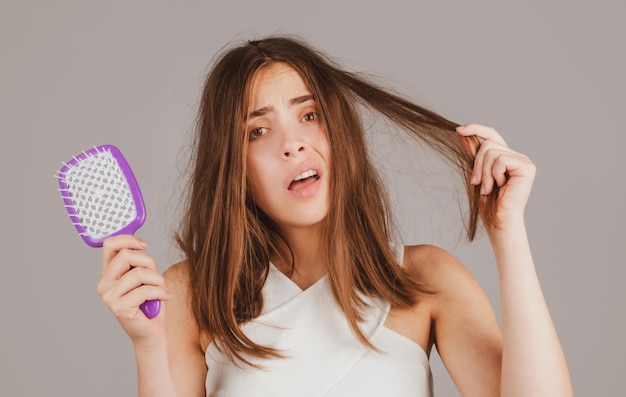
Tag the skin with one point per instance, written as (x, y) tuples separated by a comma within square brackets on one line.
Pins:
[(286, 139), (521, 359)]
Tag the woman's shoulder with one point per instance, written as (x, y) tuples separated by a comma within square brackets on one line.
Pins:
[(431, 268), (178, 273), (440, 271), (177, 283), (430, 263)]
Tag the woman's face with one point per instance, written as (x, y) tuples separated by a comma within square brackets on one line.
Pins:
[(288, 156)]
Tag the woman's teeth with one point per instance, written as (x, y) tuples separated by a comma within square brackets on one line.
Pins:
[(306, 174), (303, 180)]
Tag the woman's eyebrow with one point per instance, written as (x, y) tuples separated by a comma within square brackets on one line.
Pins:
[(266, 109), (301, 99)]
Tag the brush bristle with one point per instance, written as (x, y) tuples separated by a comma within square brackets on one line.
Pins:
[(100, 195)]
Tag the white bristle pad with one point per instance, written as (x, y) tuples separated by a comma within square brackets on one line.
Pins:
[(100, 195)]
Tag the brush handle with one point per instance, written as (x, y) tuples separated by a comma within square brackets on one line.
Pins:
[(151, 308)]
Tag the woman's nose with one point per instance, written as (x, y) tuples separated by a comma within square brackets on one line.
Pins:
[(293, 143), (292, 151)]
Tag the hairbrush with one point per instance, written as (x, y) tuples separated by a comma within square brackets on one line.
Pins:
[(103, 199)]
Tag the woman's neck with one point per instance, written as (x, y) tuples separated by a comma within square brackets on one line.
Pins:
[(308, 264)]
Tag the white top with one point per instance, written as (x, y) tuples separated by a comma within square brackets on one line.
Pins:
[(323, 356)]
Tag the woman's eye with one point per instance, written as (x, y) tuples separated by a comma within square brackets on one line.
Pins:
[(257, 132), (311, 116)]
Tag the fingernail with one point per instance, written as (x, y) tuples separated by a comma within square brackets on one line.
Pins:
[(143, 244), (474, 179)]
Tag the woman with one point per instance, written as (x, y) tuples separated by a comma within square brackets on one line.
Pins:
[(293, 283)]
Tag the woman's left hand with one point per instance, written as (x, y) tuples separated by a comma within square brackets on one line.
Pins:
[(497, 164)]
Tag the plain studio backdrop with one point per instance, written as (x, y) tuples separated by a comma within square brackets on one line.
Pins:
[(74, 74)]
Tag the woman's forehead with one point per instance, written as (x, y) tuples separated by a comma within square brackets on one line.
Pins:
[(274, 81)]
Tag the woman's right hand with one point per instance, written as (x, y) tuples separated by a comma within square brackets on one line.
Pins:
[(129, 278)]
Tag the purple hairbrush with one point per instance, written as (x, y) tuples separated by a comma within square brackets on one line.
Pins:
[(103, 199)]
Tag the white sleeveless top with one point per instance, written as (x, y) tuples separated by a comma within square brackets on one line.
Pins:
[(323, 356)]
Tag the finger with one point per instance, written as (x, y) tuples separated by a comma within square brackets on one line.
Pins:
[(113, 245), (481, 131), (494, 170), (134, 279), (479, 161), (499, 173), (477, 172), (499, 165), (127, 306), (111, 289), (486, 185), (125, 260)]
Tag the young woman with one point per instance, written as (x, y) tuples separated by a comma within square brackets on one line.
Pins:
[(293, 282)]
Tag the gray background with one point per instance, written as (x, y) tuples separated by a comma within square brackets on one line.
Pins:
[(73, 74)]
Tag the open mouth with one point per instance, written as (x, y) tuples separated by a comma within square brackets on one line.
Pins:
[(303, 180)]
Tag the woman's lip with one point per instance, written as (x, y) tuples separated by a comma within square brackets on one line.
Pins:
[(306, 166), (307, 191)]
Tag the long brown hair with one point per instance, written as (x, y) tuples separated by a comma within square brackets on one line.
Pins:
[(228, 241)]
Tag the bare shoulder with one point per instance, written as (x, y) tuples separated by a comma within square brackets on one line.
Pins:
[(177, 283), (430, 267), (434, 266), (457, 293), (437, 269), (177, 276), (178, 307)]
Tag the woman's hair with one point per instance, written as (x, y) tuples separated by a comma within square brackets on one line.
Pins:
[(228, 241)]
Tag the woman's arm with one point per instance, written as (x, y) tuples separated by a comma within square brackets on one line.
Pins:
[(463, 326), (169, 358), (533, 363), (185, 345)]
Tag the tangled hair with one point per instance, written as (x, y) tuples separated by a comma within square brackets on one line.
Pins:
[(228, 241)]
